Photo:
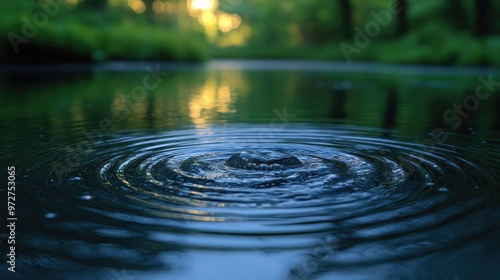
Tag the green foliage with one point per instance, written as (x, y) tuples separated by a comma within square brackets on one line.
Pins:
[(82, 35), (438, 43), (440, 32), (492, 47)]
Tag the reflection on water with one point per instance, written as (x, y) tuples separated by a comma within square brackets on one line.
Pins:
[(116, 183), (402, 103), (211, 99)]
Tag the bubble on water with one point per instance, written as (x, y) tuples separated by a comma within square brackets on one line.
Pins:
[(41, 135), (86, 197), (50, 215), (75, 179), (443, 189)]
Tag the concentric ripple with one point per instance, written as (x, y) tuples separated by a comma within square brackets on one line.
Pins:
[(367, 193), (199, 175)]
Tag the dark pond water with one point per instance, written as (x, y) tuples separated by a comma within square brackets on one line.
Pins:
[(256, 170)]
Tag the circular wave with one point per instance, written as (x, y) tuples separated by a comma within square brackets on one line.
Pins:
[(373, 198)]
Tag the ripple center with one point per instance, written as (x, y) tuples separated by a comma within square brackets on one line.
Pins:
[(263, 160)]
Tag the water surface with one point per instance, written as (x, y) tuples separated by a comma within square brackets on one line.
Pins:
[(119, 178)]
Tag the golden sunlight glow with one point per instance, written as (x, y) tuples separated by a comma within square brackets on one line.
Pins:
[(225, 24), (211, 31), (220, 27), (208, 18), (202, 5), (200, 103), (235, 21), (158, 6), (169, 8), (224, 96), (211, 99), (137, 5), (237, 38)]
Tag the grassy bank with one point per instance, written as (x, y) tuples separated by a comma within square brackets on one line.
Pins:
[(77, 43), (83, 36)]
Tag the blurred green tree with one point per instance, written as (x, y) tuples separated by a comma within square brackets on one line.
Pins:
[(402, 14), (457, 14), (482, 26), (346, 16)]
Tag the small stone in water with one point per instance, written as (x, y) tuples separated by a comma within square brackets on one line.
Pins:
[(50, 215), (263, 160), (86, 197)]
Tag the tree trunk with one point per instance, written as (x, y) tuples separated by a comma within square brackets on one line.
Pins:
[(97, 5), (482, 8), (402, 12), (457, 13), (346, 17)]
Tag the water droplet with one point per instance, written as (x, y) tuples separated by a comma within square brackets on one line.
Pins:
[(50, 215), (86, 197), (75, 179)]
